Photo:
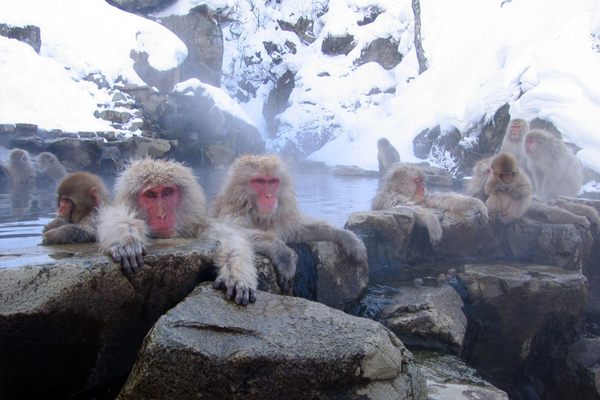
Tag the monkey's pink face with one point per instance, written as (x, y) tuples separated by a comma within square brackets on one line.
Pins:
[(65, 208), (160, 205), (516, 131), (266, 188), (506, 177), (531, 145)]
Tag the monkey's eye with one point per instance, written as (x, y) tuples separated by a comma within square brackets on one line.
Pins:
[(151, 194), (273, 181), (168, 192), (259, 181)]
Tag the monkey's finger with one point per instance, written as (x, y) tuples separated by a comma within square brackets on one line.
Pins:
[(116, 255), (230, 292), (241, 295), (140, 259), (252, 296), (126, 265)]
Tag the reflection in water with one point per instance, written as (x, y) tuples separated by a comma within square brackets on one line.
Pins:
[(24, 211)]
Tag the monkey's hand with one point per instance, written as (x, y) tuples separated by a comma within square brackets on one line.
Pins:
[(583, 221), (55, 223), (240, 292), (285, 260), (130, 256), (353, 246), (428, 219)]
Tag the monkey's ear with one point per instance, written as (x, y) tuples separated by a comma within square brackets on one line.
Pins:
[(94, 194)]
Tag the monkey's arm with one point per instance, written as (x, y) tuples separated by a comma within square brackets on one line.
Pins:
[(430, 221), (234, 261), (556, 215), (580, 209), (455, 202), (317, 230), (55, 223), (283, 257), (69, 233), (122, 235)]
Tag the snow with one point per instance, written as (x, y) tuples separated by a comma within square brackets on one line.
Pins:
[(481, 53)]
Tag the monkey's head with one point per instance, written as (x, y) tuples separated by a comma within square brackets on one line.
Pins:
[(258, 188), (79, 193), (383, 143), (406, 180), (166, 194), (537, 139), (19, 157), (517, 128), (46, 159), (505, 167)]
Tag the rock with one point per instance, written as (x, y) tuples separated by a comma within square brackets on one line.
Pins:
[(279, 347), (352, 170), (521, 320), (155, 148), (336, 45), (137, 6), (277, 101), (77, 153), (449, 378), (580, 377), (425, 317), (383, 51), (68, 306), (393, 242), (29, 34)]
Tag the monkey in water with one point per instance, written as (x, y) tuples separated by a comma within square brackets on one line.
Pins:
[(49, 168), (80, 194), (404, 185), (162, 199), (258, 195)]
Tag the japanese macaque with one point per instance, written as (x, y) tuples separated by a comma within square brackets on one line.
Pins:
[(508, 189), (258, 195), (561, 211), (554, 169), (514, 139), (49, 167), (162, 199), (80, 194), (387, 155), (404, 185), (479, 176), (20, 168)]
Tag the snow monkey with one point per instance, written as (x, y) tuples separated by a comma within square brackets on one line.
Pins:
[(404, 185), (49, 167), (508, 189), (387, 155), (79, 196), (481, 172), (514, 139), (162, 199), (258, 194), (20, 168), (554, 169)]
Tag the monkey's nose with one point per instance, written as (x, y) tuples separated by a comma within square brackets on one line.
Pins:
[(269, 195)]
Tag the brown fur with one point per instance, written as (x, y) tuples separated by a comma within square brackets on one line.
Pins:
[(515, 147), (49, 167), (512, 199), (87, 192), (479, 177), (20, 168)]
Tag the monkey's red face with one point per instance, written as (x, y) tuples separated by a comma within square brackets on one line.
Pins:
[(516, 130), (266, 188), (420, 187), (65, 208), (160, 204), (530, 145)]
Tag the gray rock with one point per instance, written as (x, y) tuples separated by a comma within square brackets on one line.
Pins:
[(136, 6), (73, 323), (449, 378), (520, 319), (383, 51), (29, 34), (279, 347), (336, 45), (426, 317)]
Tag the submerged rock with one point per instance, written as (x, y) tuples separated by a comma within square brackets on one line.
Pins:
[(277, 348)]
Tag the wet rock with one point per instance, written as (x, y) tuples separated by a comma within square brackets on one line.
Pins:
[(352, 170), (521, 320), (394, 242), (383, 51), (29, 34), (336, 45), (581, 372), (279, 347), (449, 378), (425, 317), (70, 307), (77, 153)]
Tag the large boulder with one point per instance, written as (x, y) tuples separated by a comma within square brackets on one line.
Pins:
[(522, 319), (276, 348), (71, 322)]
